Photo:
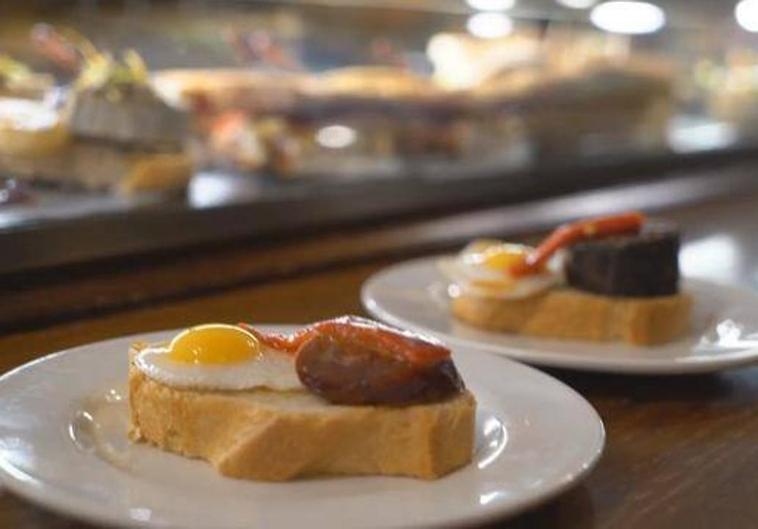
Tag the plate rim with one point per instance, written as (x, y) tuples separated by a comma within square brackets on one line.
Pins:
[(623, 366), (56, 499)]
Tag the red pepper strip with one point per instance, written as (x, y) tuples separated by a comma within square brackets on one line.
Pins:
[(413, 347), (568, 234), (56, 47), (281, 342)]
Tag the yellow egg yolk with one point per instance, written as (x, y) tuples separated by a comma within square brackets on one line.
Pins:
[(503, 256), (214, 343)]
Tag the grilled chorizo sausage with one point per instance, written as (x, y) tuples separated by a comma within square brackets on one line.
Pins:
[(359, 372)]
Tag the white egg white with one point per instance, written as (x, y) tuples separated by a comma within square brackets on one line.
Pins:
[(470, 276), (271, 369)]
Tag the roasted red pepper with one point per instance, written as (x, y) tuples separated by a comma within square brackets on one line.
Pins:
[(398, 343), (568, 234)]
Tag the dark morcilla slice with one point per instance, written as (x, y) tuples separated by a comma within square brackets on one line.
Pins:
[(641, 265)]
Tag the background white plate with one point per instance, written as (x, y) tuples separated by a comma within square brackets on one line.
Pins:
[(724, 330), (63, 444)]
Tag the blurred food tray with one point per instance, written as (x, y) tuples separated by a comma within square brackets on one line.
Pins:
[(65, 228)]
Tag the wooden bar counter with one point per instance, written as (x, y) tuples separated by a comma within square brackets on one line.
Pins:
[(681, 451)]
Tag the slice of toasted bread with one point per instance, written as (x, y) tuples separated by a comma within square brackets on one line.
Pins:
[(572, 314), (279, 435)]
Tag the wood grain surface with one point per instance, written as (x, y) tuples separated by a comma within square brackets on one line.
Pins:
[(681, 452)]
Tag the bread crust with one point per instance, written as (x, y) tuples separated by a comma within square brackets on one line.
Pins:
[(571, 314), (276, 436)]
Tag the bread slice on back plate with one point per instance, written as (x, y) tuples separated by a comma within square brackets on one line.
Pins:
[(280, 435), (567, 313)]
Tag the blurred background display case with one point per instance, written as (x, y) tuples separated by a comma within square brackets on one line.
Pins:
[(130, 126)]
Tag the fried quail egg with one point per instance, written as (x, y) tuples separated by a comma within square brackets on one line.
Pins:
[(218, 357), (482, 269)]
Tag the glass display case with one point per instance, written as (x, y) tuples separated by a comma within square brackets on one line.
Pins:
[(135, 125)]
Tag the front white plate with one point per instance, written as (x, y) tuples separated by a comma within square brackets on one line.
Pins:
[(724, 330), (63, 444)]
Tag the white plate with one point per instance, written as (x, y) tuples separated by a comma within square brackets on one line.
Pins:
[(63, 445), (724, 330)]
